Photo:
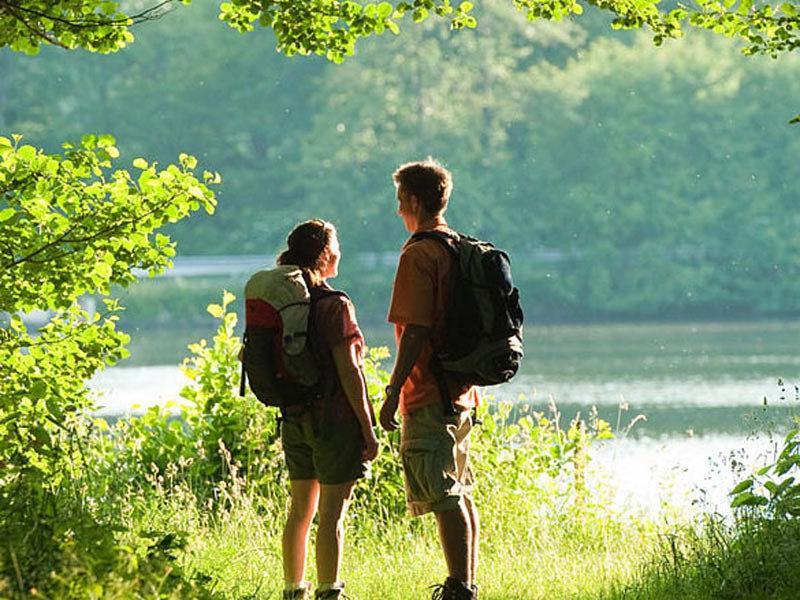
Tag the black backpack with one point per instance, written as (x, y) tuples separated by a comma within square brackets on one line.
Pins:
[(482, 341), (279, 358)]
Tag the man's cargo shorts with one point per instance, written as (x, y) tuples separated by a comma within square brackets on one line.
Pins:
[(435, 451)]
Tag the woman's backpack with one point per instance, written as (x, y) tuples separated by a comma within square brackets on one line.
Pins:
[(482, 340), (279, 357)]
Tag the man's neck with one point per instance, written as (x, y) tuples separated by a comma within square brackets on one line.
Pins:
[(428, 223)]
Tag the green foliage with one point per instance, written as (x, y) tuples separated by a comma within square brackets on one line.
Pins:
[(748, 558), (773, 491), (331, 28), (95, 25), (72, 225), (214, 433), (69, 226)]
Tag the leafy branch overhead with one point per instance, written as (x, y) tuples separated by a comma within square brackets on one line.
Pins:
[(95, 25), (331, 28), (70, 225)]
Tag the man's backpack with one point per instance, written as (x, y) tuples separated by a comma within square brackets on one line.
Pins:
[(482, 340), (279, 358)]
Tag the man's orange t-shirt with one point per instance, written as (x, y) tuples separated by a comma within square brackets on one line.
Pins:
[(419, 297)]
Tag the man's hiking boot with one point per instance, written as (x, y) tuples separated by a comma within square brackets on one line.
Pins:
[(301, 593), (334, 593), (454, 589)]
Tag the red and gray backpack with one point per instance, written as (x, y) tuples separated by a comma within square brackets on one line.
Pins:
[(279, 358), (482, 340)]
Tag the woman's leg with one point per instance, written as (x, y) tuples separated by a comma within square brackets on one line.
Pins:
[(305, 493), (333, 501)]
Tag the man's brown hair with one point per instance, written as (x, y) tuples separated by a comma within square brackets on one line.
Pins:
[(428, 180)]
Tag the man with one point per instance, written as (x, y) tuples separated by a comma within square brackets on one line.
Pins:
[(436, 412)]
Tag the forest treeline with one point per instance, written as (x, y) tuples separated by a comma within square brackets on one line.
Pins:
[(626, 180)]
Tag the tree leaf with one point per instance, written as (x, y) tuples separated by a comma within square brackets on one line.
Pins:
[(742, 486), (103, 270), (216, 311), (748, 499), (27, 153), (385, 10)]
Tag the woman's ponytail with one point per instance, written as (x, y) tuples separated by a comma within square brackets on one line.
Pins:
[(306, 248)]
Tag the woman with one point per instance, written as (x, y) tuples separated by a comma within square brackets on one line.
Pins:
[(327, 447)]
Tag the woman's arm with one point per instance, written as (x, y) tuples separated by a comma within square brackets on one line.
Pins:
[(346, 358)]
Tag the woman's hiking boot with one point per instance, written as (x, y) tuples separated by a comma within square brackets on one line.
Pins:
[(454, 589), (334, 593), (300, 593)]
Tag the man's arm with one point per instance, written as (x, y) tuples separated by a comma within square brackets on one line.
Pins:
[(412, 342)]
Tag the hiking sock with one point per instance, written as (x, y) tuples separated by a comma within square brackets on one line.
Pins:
[(294, 586)]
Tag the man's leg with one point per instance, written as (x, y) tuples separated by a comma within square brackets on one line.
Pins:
[(456, 537), (333, 503), (295, 534), (472, 512)]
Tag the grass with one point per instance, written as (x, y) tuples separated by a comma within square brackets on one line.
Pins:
[(751, 558), (239, 550), (531, 549), (528, 552)]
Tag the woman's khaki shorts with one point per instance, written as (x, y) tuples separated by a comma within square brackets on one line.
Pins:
[(331, 455), (435, 452)]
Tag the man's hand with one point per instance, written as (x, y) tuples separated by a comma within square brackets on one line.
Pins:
[(388, 412), (370, 446)]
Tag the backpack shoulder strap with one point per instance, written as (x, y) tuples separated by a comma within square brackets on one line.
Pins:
[(449, 241), (317, 293)]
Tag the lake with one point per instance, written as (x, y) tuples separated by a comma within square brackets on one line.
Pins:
[(714, 395)]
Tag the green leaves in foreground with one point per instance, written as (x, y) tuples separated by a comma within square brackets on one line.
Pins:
[(73, 224), (70, 225), (773, 488)]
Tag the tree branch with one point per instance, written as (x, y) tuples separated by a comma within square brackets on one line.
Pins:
[(149, 14), (9, 8), (63, 239)]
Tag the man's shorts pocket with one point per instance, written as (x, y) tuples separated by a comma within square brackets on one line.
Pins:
[(430, 473)]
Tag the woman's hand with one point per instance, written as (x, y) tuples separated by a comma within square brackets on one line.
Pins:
[(370, 446)]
